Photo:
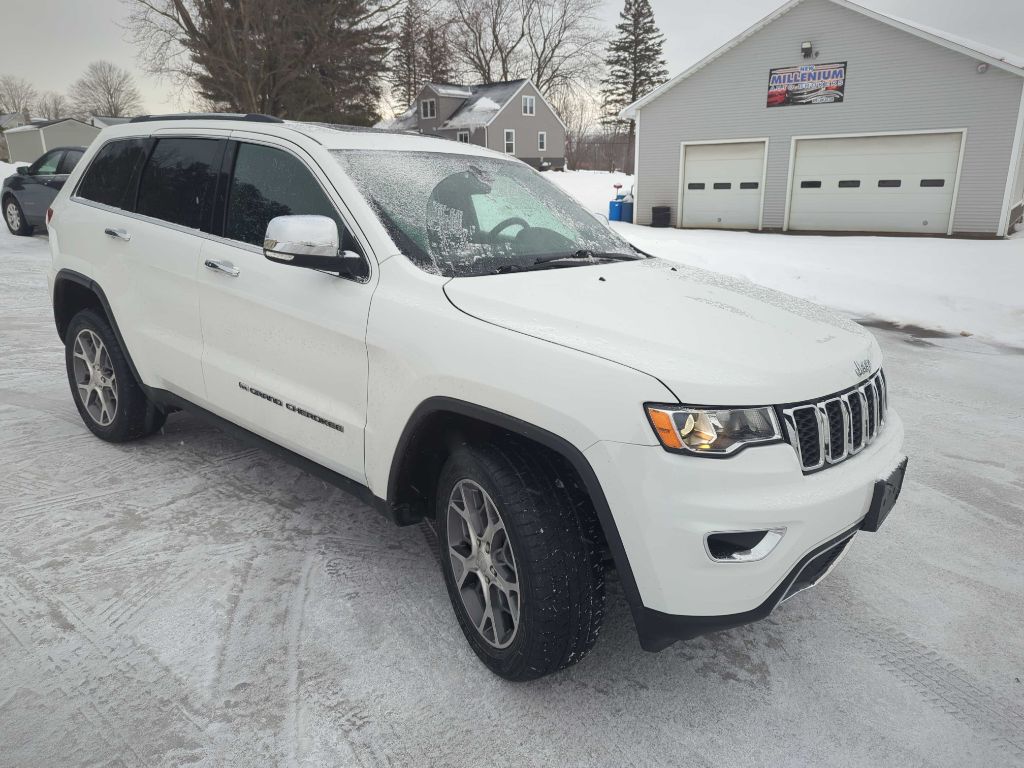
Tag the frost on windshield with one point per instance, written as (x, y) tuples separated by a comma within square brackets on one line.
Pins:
[(460, 214)]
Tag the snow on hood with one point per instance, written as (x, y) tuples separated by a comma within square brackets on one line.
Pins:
[(711, 338)]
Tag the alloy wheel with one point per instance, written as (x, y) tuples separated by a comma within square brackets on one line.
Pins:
[(483, 563), (94, 377), (13, 216)]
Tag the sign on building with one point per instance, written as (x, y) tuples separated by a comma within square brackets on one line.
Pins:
[(806, 84)]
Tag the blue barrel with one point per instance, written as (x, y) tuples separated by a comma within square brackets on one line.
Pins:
[(615, 210), (627, 212)]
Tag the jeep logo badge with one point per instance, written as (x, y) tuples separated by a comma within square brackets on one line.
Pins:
[(862, 367)]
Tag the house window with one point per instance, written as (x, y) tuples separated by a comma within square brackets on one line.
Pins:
[(428, 109), (529, 105), (542, 141), (510, 141), (463, 137)]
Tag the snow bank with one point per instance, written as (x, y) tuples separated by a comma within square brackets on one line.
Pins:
[(951, 285), (592, 188), (8, 169)]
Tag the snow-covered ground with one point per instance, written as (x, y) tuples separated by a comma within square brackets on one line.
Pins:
[(951, 285), (187, 599)]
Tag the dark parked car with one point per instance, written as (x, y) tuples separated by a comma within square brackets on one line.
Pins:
[(26, 195)]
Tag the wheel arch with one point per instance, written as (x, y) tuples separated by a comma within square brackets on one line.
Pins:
[(440, 423), (73, 292)]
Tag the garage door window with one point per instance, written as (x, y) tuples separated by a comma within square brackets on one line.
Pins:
[(723, 185), (849, 184), (749, 185), (810, 185), (933, 182), (695, 185), (890, 183)]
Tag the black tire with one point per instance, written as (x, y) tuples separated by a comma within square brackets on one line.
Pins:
[(23, 228), (133, 416), (558, 563)]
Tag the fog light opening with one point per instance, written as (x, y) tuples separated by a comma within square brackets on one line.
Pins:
[(742, 546)]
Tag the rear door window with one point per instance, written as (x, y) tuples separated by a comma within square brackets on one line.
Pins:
[(269, 182), (69, 161), (179, 181), (111, 174)]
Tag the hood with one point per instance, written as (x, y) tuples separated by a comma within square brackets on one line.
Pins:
[(711, 338)]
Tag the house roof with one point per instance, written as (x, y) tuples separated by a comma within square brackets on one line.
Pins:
[(45, 123), (483, 103), (403, 122), (1010, 62), (5, 119)]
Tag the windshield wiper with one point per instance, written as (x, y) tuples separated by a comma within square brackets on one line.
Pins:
[(585, 255)]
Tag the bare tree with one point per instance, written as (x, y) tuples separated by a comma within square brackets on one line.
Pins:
[(490, 35), (564, 38), (304, 60), (16, 95), (580, 111), (52, 106), (105, 89), (555, 43)]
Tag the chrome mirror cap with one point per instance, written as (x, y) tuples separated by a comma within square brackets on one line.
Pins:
[(289, 237)]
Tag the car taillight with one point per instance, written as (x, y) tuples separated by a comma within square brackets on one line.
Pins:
[(49, 215)]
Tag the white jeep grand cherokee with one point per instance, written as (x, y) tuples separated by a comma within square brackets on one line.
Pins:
[(439, 329)]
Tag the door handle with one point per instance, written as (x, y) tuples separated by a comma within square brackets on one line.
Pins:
[(226, 267), (120, 234)]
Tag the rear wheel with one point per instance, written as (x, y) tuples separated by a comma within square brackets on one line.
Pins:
[(524, 576), (109, 400), (15, 217)]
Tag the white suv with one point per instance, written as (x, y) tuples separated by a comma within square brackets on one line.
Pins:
[(439, 329)]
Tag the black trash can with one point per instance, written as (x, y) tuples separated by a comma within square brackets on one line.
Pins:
[(661, 216)]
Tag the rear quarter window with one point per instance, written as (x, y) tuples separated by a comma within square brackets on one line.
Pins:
[(108, 180)]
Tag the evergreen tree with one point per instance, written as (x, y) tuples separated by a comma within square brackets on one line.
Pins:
[(437, 54), (405, 73), (636, 66)]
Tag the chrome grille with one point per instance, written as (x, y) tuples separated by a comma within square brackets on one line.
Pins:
[(826, 432)]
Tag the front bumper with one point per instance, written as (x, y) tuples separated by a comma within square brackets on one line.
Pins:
[(664, 505)]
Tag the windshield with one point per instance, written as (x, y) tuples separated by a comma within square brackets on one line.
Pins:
[(462, 215)]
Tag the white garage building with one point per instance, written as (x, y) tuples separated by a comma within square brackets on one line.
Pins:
[(826, 116)]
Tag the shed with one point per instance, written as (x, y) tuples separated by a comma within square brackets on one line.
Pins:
[(28, 142)]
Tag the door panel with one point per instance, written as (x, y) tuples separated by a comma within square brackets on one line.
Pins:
[(722, 185), (284, 347), (39, 190), (875, 183)]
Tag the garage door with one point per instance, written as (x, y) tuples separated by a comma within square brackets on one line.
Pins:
[(721, 185), (875, 183)]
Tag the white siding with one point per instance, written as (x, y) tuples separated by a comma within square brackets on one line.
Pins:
[(895, 82)]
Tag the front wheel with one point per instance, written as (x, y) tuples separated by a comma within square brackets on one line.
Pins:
[(109, 400), (15, 217), (524, 575)]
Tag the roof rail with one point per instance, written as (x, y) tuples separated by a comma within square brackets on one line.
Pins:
[(250, 118)]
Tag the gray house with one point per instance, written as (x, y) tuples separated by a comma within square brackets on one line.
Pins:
[(827, 116), (511, 117), (29, 142)]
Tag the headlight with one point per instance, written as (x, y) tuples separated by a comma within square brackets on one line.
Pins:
[(712, 431)]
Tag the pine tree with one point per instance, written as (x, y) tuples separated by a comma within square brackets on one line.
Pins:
[(405, 73), (437, 54), (636, 66)]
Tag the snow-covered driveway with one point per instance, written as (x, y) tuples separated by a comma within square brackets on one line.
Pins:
[(187, 599)]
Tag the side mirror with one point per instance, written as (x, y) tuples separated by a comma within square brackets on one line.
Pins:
[(306, 241), (22, 170)]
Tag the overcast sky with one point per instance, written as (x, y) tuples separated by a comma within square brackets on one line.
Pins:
[(51, 41)]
